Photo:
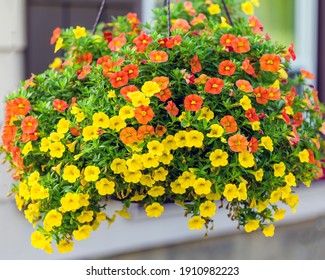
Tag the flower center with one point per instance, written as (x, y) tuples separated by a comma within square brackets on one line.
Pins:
[(143, 113), (227, 68), (269, 62), (118, 79), (193, 102), (158, 57)]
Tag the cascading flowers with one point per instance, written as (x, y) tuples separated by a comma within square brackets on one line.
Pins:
[(205, 118)]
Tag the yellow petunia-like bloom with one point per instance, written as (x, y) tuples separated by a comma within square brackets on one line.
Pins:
[(156, 191), (169, 143), (85, 217), (218, 158), (38, 240), (79, 32), (186, 179), (259, 175), (155, 148), (180, 139), (196, 223), (177, 187), (206, 113), (118, 165), (252, 225), (290, 180), (27, 148), (242, 192), (91, 173), (100, 120), (245, 102), (135, 163), (262, 205), (45, 144), (267, 143), (292, 201), (247, 8), (56, 136), (154, 210), (126, 112), (37, 191), (105, 187), (246, 159), (150, 160), (279, 169), (70, 202), (160, 174), (207, 209), (132, 176), (230, 192), (214, 9), (224, 23), (65, 246), (146, 180), (202, 186), (71, 173), (150, 88), (116, 123), (82, 232), (276, 195), (166, 157), (303, 156), (52, 219), (216, 131), (268, 231), (63, 125), (33, 178), (90, 132), (194, 138), (59, 44), (279, 214)]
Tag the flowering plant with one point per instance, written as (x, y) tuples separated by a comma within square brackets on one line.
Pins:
[(205, 117)]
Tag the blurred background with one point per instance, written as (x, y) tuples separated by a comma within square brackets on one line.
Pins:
[(25, 30)]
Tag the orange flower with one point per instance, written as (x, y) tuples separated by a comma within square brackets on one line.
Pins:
[(160, 130), (247, 67), (214, 86), (298, 119), (142, 41), (124, 91), (251, 115), (226, 68), (119, 79), (171, 108), (60, 105), (29, 124), (128, 135), (241, 45), (244, 85), (56, 34), (188, 7), (238, 143), (307, 75), (226, 40), (174, 41), (144, 131), (84, 72), (132, 70), (311, 156), (270, 62), (85, 58), (290, 97), (164, 95), (103, 59), (200, 18), (158, 56), (229, 124), (25, 137), (182, 25), (109, 68), (133, 18), (162, 81), (273, 94), (195, 65), (117, 43), (143, 114), (261, 95), (253, 145), (193, 102), (255, 24), (20, 106)]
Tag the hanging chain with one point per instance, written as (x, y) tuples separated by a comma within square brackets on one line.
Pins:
[(168, 17), (227, 12), (100, 12)]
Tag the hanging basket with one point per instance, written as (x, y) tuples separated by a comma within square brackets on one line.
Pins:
[(202, 114)]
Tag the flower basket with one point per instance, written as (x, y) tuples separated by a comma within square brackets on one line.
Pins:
[(204, 117)]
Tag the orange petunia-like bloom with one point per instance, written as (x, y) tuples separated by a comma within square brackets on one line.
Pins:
[(261, 95), (174, 41), (83, 72), (306, 74), (25, 137), (253, 145), (229, 124), (182, 25), (128, 135), (162, 81), (195, 64), (144, 131), (172, 109), (255, 24), (29, 124), (160, 130), (119, 79), (143, 114), (124, 91), (244, 85), (247, 67), (214, 86), (158, 56), (273, 94), (142, 41), (226, 68), (109, 68), (132, 70), (241, 45), (270, 62), (19, 106), (56, 34), (193, 102), (251, 115), (164, 95), (200, 18), (226, 40), (298, 119), (60, 105), (85, 58), (117, 43), (238, 143)]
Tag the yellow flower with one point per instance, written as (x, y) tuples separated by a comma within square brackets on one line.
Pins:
[(71, 173), (33, 178), (79, 32), (213, 196), (64, 246), (83, 232), (154, 210), (56, 63), (256, 3), (255, 125), (279, 169), (138, 197), (135, 163), (261, 205), (90, 133), (83, 199), (202, 186), (242, 192), (146, 180), (224, 23), (101, 120), (132, 176), (32, 213), (37, 191), (246, 159), (70, 202), (150, 160), (52, 219), (27, 148), (59, 44), (45, 144), (259, 175), (63, 126), (85, 217), (105, 187), (111, 94), (24, 190), (56, 136), (169, 143), (57, 168), (194, 138), (150, 88), (196, 222), (20, 201), (91, 173), (122, 213), (276, 195), (166, 157), (289, 110), (247, 8), (276, 84), (214, 9), (290, 180), (80, 117), (230, 192), (206, 113), (303, 156), (279, 214), (216, 131), (292, 201), (72, 146), (268, 231), (252, 225), (218, 158), (267, 143), (155, 148), (245, 102), (38, 240), (186, 179), (207, 209), (126, 112), (156, 191), (159, 174), (117, 123), (118, 165), (180, 138), (177, 187)]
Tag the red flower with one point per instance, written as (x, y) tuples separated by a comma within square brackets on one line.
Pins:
[(104, 59), (127, 89), (171, 108), (241, 45), (174, 41), (158, 56), (29, 124), (238, 143), (270, 62), (163, 42), (75, 131), (164, 94), (56, 34), (19, 106), (251, 115), (108, 36), (247, 67), (143, 114), (193, 102), (298, 119), (291, 51), (226, 40), (253, 145), (60, 105), (195, 65), (144, 131), (244, 85), (255, 24), (117, 43), (85, 58), (285, 116), (226, 68), (25, 137), (273, 94), (229, 124), (132, 70), (84, 72), (214, 86), (142, 41), (261, 95), (119, 79)]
